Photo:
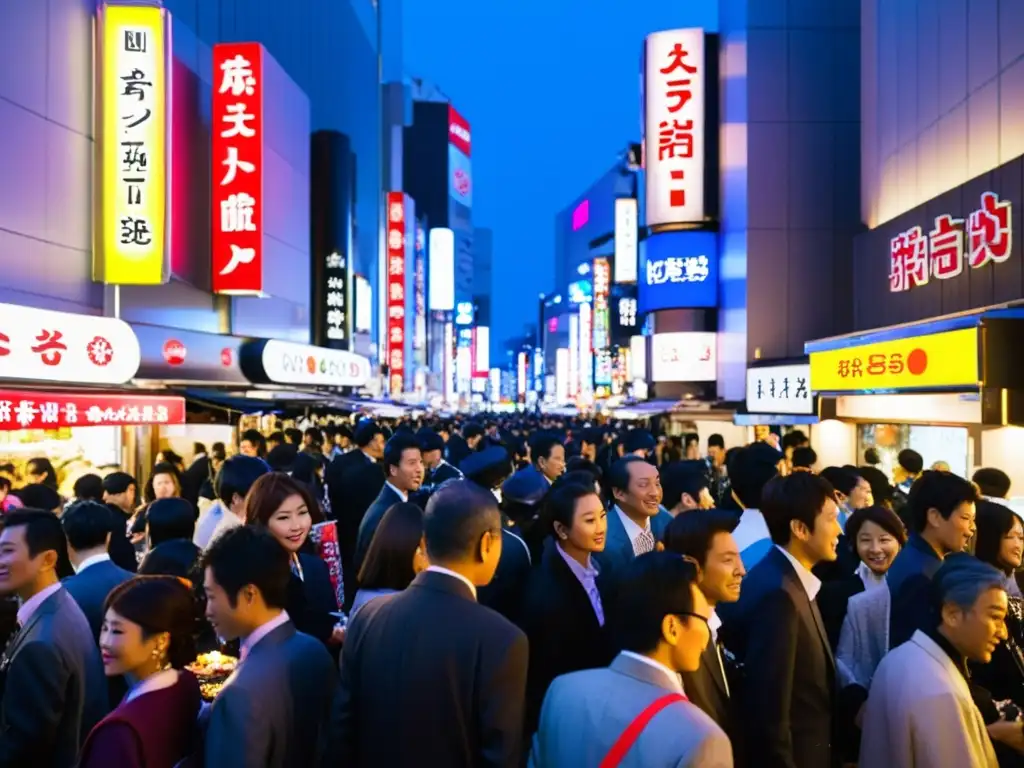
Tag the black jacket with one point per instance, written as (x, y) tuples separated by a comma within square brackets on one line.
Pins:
[(311, 599), (353, 482), (710, 688), (385, 500), (505, 592)]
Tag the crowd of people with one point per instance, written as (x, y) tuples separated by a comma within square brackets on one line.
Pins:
[(510, 591)]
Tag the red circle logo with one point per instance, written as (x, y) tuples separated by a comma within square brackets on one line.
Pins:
[(917, 361), (225, 357), (174, 352)]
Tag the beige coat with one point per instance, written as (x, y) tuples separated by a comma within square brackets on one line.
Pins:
[(919, 713)]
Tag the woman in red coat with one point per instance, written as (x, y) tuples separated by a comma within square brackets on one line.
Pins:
[(147, 636)]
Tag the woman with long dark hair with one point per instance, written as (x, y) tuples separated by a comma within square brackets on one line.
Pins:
[(396, 554)]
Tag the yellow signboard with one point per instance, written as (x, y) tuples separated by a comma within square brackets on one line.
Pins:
[(130, 245), (948, 359)]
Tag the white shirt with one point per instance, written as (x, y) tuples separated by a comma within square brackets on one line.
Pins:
[(632, 529), (100, 558), (30, 606), (459, 576), (157, 682), (262, 631), (869, 578), (714, 624), (808, 580), (402, 496), (675, 681)]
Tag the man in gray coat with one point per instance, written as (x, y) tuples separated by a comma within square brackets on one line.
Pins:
[(635, 712), (52, 688)]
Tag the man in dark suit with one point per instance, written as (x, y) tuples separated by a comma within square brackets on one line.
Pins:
[(273, 710), (547, 461), (458, 689), (403, 468), (198, 472), (460, 446), (704, 537), (51, 677), (438, 470), (87, 528), (777, 633)]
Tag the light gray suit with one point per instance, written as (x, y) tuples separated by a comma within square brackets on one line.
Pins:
[(584, 714)]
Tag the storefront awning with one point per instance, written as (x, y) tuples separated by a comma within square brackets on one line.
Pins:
[(172, 356)]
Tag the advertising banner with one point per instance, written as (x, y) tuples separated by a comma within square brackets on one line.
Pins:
[(680, 271), (683, 357), (396, 291), (625, 240), (780, 389), (442, 270), (57, 410)]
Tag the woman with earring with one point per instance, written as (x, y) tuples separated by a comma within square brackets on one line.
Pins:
[(396, 554), (147, 637), (563, 611)]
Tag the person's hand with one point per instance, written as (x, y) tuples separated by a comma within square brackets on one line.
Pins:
[(1008, 732), (337, 636)]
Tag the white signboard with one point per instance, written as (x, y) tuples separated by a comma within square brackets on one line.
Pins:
[(442, 270), (586, 367), (574, 356), (683, 357), (674, 147), (41, 345), (287, 363), (780, 389), (625, 240), (638, 357)]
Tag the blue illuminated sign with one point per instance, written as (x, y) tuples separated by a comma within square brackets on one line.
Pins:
[(679, 271), (464, 313), (581, 292)]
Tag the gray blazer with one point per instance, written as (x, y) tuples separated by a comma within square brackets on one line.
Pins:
[(53, 687), (91, 587), (586, 712), (272, 711)]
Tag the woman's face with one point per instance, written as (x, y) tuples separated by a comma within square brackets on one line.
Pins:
[(124, 651), (1011, 549), (589, 525), (860, 496), (291, 523), (876, 547), (164, 487)]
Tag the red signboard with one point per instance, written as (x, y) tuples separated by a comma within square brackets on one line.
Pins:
[(53, 410), (237, 220), (396, 290), (458, 131)]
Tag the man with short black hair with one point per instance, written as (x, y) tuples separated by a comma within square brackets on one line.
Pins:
[(804, 458), (232, 484), (468, 662), (436, 467), (750, 470), (591, 439), (686, 487), (253, 444), (274, 710), (993, 483), (547, 456), (635, 713), (120, 491), (403, 465), (637, 519)]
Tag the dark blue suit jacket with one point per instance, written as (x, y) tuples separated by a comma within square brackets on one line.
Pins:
[(384, 501), (91, 587), (909, 579), (618, 547)]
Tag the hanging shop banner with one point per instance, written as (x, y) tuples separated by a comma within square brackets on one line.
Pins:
[(780, 389), (174, 355), (237, 248), (396, 291), (333, 300), (133, 54), (458, 132), (42, 345), (29, 409), (419, 283), (625, 240), (683, 357), (285, 362), (680, 271), (602, 289), (935, 361), (673, 106)]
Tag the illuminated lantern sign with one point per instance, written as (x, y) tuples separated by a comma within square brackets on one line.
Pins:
[(673, 99), (133, 62), (602, 286), (58, 410), (396, 291), (237, 254), (916, 256)]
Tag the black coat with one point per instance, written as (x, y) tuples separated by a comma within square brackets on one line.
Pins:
[(505, 592), (386, 499), (176, 557), (120, 549), (192, 479), (311, 599), (353, 482), (833, 601), (709, 689), (451, 671), (788, 683)]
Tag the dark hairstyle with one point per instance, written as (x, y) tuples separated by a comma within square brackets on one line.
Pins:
[(281, 457), (430, 440), (118, 482), (992, 482), (161, 468), (839, 478), (388, 560), (960, 580), (592, 436), (293, 435), (559, 504), (89, 488), (86, 525), (159, 604), (396, 447), (691, 533), (5, 483), (750, 469), (881, 488), (473, 430), (270, 491), (716, 441), (638, 439), (198, 448), (43, 530), (804, 456), (618, 474), (236, 476), (248, 554), (255, 437), (541, 446), (800, 496), (942, 491), (690, 438), (579, 464), (910, 460), (794, 439), (579, 477), (40, 465), (881, 516), (993, 521), (458, 514), (679, 477), (315, 433), (169, 519), (40, 496), (651, 587), (276, 437), (871, 457)]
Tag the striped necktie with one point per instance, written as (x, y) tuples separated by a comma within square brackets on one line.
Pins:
[(643, 543)]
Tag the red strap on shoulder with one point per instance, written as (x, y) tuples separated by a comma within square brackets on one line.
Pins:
[(629, 736)]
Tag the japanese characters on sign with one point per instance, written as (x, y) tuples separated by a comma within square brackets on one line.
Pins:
[(625, 240), (680, 271), (395, 287), (284, 362), (131, 245), (419, 282), (335, 301), (602, 372), (237, 248), (627, 312), (986, 237), (49, 410), (458, 131), (939, 360), (602, 287), (780, 389), (42, 345), (673, 99), (683, 357)]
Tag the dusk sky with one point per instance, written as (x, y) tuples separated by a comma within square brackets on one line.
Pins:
[(551, 89)]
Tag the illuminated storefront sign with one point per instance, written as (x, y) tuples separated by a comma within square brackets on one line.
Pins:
[(586, 364), (574, 356), (396, 291), (419, 283), (602, 372), (521, 363), (481, 350), (938, 360), (458, 132), (602, 287), (638, 357), (680, 271), (464, 313), (442, 270), (625, 240), (237, 217), (916, 256), (30, 409), (131, 231), (333, 300), (780, 389), (627, 312), (364, 305), (561, 375), (683, 357), (283, 362), (580, 292), (460, 183), (674, 147)]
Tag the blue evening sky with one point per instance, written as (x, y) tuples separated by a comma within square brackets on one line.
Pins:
[(551, 89)]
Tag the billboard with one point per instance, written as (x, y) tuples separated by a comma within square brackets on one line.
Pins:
[(460, 182), (625, 240), (364, 305), (442, 270), (680, 271), (458, 132), (602, 289), (673, 108), (396, 291), (780, 389), (683, 357)]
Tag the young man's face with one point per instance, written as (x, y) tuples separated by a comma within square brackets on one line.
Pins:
[(18, 569), (722, 571)]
